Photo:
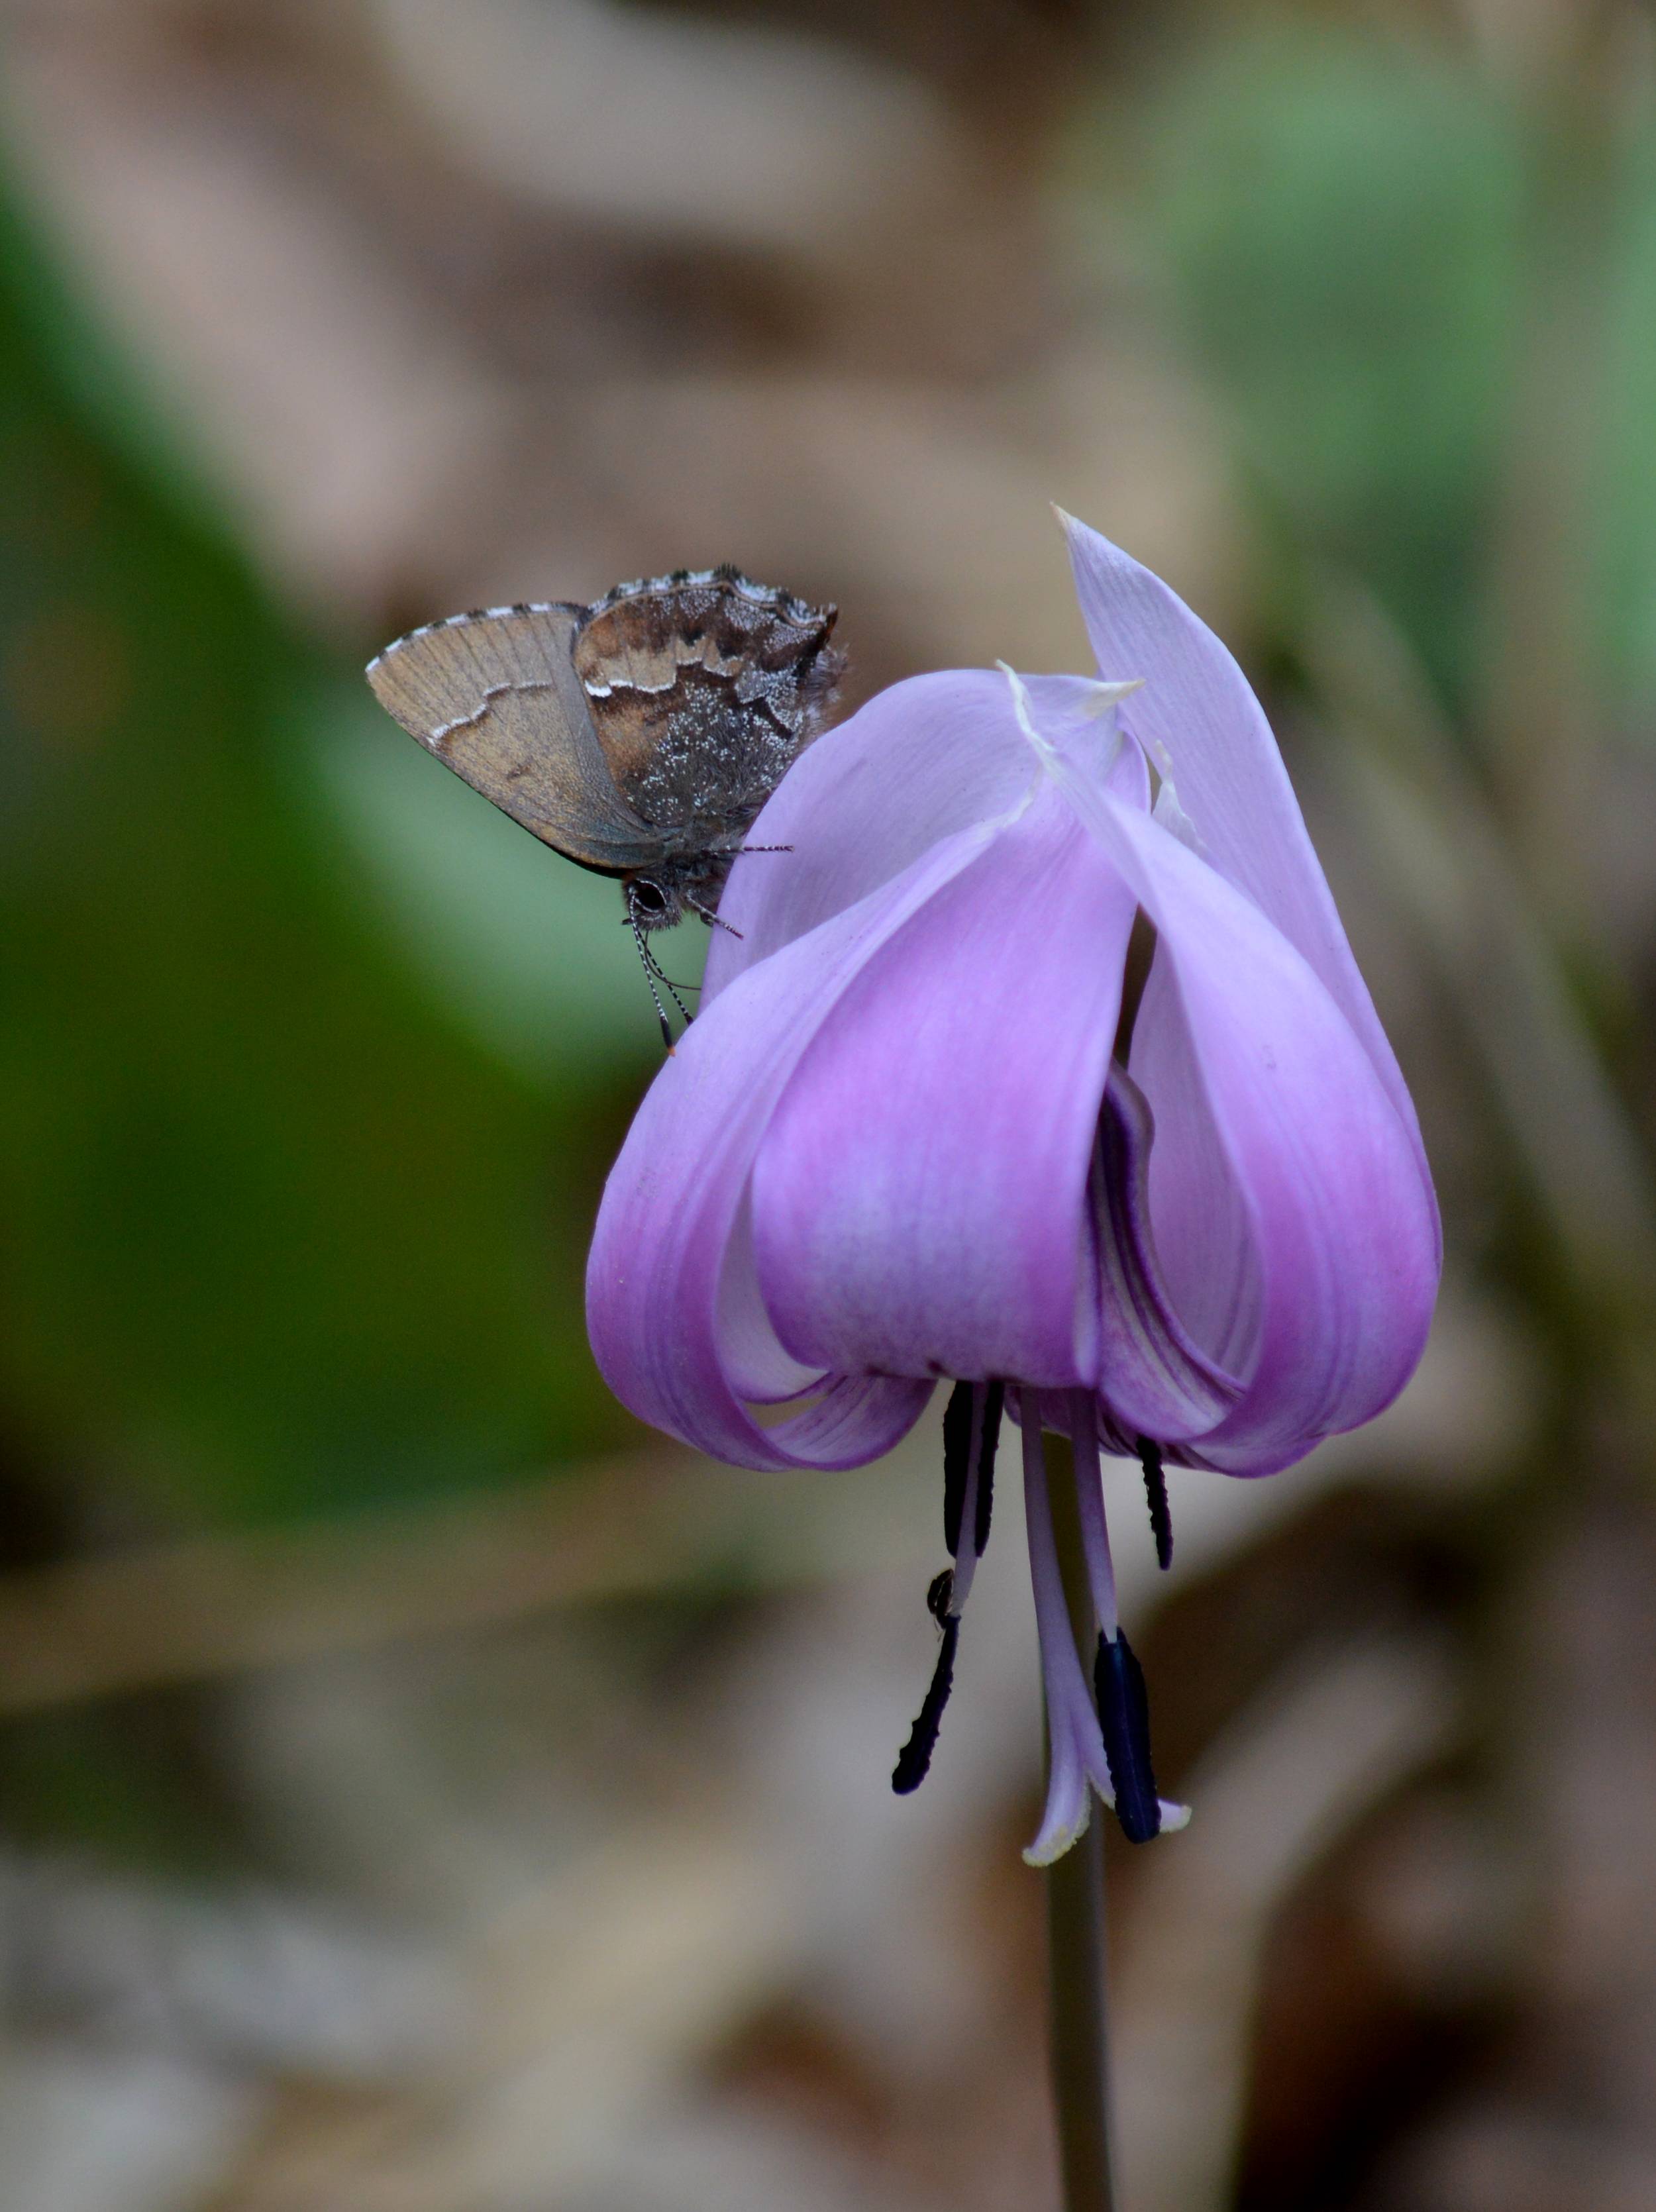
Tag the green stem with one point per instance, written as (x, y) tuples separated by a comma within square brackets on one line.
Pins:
[(1075, 1926), (1075, 1942)]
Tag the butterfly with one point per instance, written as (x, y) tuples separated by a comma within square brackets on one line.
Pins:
[(639, 736)]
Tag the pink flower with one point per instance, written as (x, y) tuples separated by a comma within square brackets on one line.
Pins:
[(911, 1136)]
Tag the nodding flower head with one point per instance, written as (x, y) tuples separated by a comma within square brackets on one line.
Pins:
[(1042, 1063)]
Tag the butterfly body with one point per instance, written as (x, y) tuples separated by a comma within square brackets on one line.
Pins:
[(638, 736)]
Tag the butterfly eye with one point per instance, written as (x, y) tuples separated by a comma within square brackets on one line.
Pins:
[(649, 897)]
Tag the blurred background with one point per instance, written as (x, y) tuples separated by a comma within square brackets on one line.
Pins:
[(420, 1789)]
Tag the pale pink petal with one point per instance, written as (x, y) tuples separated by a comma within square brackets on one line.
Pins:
[(919, 1194), (677, 1331)]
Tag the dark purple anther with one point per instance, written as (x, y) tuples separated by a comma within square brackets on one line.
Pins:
[(1124, 1719)]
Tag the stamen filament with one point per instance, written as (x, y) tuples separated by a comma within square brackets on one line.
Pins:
[(972, 1431), (1089, 1499), (993, 1401), (961, 1417)]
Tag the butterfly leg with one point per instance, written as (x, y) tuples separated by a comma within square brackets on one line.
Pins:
[(707, 915), (651, 972)]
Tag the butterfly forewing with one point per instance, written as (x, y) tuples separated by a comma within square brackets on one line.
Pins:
[(496, 697)]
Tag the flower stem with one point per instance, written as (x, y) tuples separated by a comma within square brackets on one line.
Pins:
[(1075, 1923)]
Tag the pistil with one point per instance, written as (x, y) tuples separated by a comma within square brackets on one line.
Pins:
[(1075, 1757)]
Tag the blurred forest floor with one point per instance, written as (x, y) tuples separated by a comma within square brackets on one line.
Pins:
[(420, 1789)]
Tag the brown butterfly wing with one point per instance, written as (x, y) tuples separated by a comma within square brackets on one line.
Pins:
[(704, 687), (496, 697)]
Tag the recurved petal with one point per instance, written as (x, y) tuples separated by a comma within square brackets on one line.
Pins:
[(1201, 725), (1340, 1223), (678, 1331), (919, 1195)]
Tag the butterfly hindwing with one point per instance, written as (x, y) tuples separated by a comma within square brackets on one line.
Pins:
[(496, 697), (704, 687)]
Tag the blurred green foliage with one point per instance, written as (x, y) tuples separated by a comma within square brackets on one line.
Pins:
[(1370, 244), (1622, 485), (1342, 218), (282, 1230), (530, 953)]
